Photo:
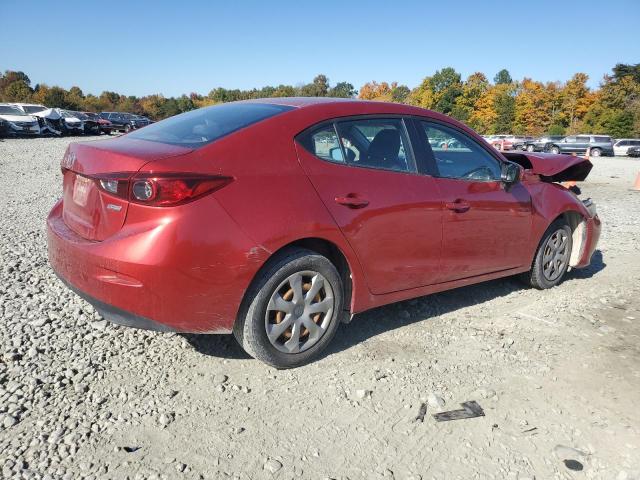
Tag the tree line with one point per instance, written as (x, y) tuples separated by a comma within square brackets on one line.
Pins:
[(504, 105)]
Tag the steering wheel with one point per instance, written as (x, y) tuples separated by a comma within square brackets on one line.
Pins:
[(487, 173)]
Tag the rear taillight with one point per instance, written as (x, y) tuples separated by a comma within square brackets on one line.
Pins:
[(161, 190)]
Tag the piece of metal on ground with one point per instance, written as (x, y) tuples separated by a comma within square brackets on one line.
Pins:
[(469, 409)]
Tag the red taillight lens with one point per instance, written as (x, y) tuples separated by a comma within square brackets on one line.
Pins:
[(161, 190)]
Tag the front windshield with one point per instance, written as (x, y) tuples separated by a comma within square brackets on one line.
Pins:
[(10, 110)]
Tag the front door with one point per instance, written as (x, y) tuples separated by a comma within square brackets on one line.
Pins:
[(486, 227), (365, 174)]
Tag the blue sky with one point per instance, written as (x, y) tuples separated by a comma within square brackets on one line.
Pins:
[(143, 47)]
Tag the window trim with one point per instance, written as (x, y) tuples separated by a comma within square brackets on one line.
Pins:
[(410, 150), (432, 160)]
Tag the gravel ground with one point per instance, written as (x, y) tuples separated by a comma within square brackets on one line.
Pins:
[(557, 372)]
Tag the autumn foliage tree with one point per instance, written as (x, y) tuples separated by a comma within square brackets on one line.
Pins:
[(504, 105)]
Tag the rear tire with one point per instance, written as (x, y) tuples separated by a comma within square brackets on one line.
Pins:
[(279, 296), (554, 149), (552, 257), (530, 148), (595, 152)]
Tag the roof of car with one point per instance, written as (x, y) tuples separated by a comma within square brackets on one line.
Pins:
[(301, 102), (27, 104)]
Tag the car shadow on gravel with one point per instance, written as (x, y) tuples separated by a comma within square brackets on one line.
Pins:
[(597, 264), (390, 317), (384, 319), (223, 346)]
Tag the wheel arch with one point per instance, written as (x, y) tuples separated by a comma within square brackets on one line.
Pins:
[(578, 224), (327, 248)]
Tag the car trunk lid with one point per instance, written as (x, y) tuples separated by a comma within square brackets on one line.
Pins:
[(89, 210)]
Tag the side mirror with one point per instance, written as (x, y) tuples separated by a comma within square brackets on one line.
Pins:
[(336, 154), (511, 173)]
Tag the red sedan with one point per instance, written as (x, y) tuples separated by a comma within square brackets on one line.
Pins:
[(277, 219)]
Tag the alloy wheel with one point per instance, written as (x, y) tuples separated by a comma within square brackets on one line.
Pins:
[(556, 255), (300, 311)]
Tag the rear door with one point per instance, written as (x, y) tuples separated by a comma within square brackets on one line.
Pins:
[(486, 227), (365, 173)]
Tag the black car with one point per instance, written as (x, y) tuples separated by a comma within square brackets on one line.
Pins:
[(91, 125), (539, 144), (123, 122), (633, 152), (144, 121), (4, 128)]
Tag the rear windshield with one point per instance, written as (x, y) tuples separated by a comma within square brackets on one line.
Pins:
[(200, 127)]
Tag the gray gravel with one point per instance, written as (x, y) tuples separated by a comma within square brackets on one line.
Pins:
[(557, 373)]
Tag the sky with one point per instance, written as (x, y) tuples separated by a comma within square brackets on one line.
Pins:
[(174, 47)]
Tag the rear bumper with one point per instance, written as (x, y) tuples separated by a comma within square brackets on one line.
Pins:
[(119, 316), (168, 273)]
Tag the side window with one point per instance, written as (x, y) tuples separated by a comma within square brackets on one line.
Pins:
[(324, 143), (570, 139), (376, 143), (459, 156), (583, 139)]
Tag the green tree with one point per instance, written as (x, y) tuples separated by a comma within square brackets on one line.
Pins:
[(318, 88), (342, 90), (18, 91), (505, 107), (502, 77)]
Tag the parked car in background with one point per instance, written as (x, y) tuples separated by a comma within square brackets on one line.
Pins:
[(90, 125), (155, 230), (539, 144), (578, 144), (502, 142), (71, 124), (105, 125), (4, 128), (18, 122), (621, 146), (48, 118), (144, 121), (633, 152), (519, 142), (123, 122)]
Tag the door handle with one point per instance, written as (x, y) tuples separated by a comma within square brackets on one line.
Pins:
[(459, 206), (352, 201)]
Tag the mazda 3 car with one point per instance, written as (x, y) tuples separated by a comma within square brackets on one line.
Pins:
[(277, 219)]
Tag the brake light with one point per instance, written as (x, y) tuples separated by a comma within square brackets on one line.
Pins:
[(161, 190)]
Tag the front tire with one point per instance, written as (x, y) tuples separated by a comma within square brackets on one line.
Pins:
[(530, 148), (555, 149), (292, 310), (551, 261)]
